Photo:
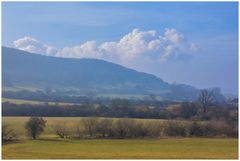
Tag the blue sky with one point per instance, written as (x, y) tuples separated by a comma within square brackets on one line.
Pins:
[(202, 37)]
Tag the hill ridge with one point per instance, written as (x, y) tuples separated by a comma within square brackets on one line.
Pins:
[(26, 69)]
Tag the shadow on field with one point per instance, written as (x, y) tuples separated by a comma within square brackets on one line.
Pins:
[(13, 142), (54, 139)]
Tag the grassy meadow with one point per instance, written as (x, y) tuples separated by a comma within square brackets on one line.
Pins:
[(174, 148)]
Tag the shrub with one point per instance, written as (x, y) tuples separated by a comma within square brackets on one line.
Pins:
[(210, 129), (233, 132), (104, 127), (196, 129), (174, 129), (121, 128), (217, 128), (135, 129), (127, 128), (8, 134), (61, 130), (154, 129)]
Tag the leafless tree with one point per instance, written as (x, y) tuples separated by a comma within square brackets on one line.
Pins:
[(90, 126), (206, 99), (104, 127), (79, 130), (8, 134), (61, 130)]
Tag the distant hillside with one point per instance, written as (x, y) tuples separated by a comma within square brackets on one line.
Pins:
[(27, 70)]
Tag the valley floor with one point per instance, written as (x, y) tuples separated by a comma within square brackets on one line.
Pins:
[(171, 148)]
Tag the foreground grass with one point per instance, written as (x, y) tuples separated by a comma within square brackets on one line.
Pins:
[(172, 148)]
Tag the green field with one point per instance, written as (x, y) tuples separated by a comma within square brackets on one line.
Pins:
[(21, 101), (189, 148), (49, 146)]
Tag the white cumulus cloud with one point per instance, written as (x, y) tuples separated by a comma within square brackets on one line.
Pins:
[(133, 46), (32, 45)]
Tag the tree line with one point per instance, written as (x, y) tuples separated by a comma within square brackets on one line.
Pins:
[(124, 128)]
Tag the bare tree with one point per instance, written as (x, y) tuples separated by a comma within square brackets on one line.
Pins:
[(7, 134), (104, 127), (121, 128), (61, 130), (154, 129), (128, 128), (90, 125), (79, 130), (206, 99)]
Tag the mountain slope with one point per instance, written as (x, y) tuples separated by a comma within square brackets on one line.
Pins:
[(23, 69)]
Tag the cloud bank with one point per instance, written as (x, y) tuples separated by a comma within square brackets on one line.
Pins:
[(134, 46)]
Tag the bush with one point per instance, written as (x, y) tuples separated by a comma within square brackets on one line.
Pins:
[(104, 127), (233, 132), (121, 128), (196, 129), (135, 129), (154, 129), (174, 129), (127, 128), (211, 129), (8, 134), (61, 130)]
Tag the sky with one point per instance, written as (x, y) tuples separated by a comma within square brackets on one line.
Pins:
[(194, 43)]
